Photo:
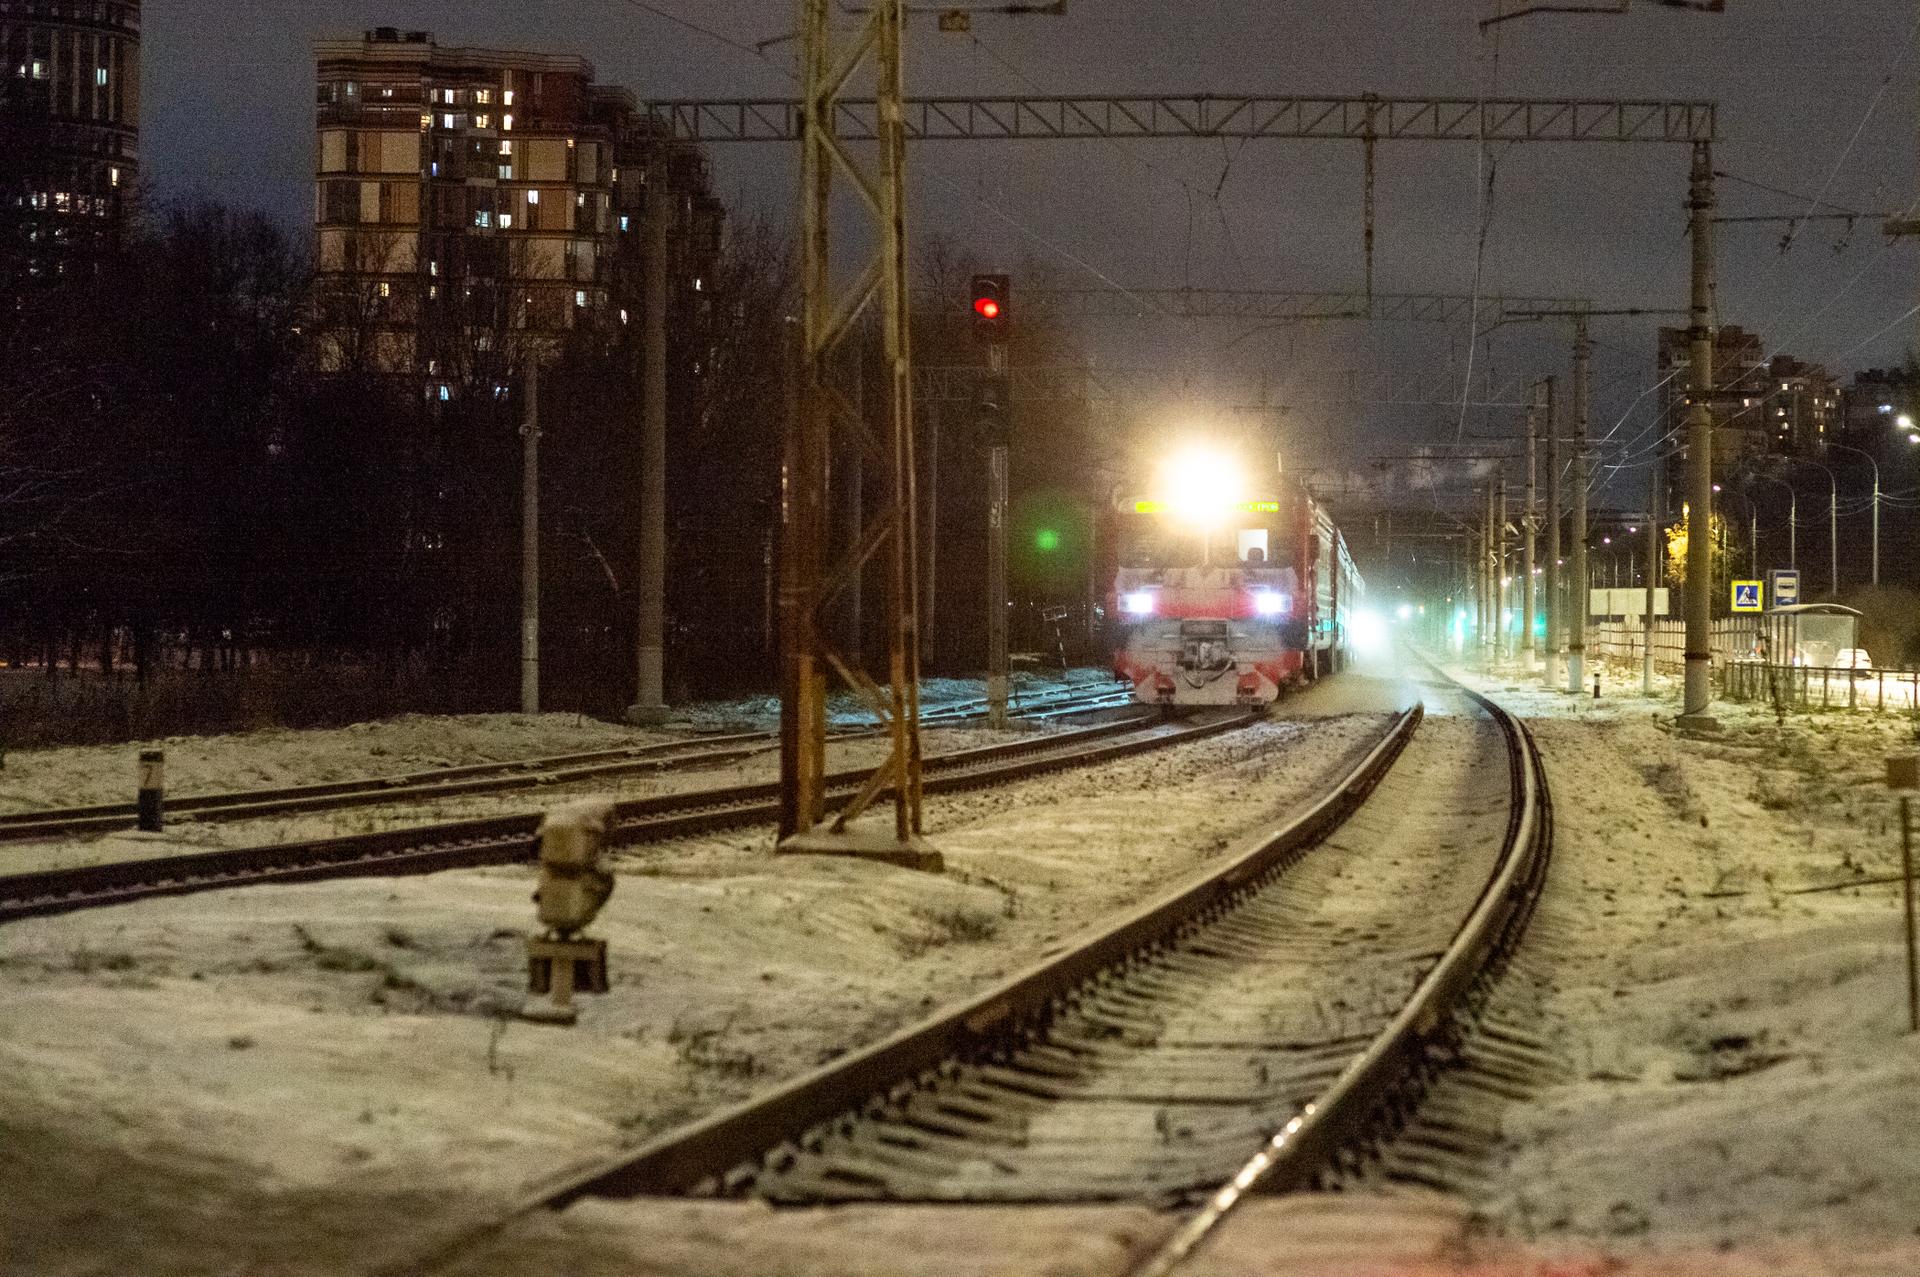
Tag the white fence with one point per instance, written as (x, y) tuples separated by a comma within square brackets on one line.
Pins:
[(1626, 640)]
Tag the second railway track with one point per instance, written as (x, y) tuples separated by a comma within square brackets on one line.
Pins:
[(505, 839), (505, 776)]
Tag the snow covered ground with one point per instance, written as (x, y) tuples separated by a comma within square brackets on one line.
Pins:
[(312, 1079), (1745, 1089), (39, 779)]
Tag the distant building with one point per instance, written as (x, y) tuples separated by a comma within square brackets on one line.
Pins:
[(467, 199), (1802, 408), (1875, 402), (69, 133)]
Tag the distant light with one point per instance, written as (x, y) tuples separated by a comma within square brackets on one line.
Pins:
[(1904, 421), (1606, 540), (1046, 540), (1367, 630), (1913, 438), (1886, 407), (1137, 603), (1405, 611), (986, 307), (1269, 602), (1632, 530)]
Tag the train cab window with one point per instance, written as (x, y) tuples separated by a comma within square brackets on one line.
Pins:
[(1252, 545)]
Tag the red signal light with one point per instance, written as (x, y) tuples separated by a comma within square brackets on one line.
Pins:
[(986, 307)]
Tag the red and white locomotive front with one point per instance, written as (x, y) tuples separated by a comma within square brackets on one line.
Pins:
[(1220, 598)]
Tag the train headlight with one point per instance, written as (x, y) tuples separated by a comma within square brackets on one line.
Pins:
[(1269, 603), (1137, 603)]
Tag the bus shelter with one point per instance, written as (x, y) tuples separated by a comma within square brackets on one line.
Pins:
[(1816, 635)]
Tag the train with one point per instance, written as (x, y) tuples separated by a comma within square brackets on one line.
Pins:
[(1218, 596)]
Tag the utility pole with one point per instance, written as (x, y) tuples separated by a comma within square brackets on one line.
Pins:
[(1654, 504), (997, 587), (1698, 698), (1500, 573), (1485, 579), (1579, 600), (1554, 575), (649, 701), (1529, 530), (530, 543), (992, 324)]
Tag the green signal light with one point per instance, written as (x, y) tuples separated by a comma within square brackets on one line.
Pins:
[(1046, 540)]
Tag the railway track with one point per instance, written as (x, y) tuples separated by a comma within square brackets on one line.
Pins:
[(528, 773), (505, 839), (1253, 1027)]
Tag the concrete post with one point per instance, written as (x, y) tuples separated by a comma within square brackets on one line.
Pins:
[(1578, 605), (530, 545), (1654, 504), (1699, 679), (649, 702), (1555, 608), (1529, 529)]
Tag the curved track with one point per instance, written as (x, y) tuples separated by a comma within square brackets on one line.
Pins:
[(504, 839), (523, 773), (1246, 1029)]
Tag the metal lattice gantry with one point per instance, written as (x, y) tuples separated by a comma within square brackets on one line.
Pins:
[(833, 55), (1362, 118)]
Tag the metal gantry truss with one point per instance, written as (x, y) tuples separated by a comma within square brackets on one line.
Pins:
[(1284, 306), (832, 57), (1360, 118), (959, 383)]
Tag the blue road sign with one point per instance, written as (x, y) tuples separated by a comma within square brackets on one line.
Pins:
[(1746, 596), (1784, 585)]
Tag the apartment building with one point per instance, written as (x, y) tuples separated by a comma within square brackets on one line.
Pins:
[(69, 133), (471, 199)]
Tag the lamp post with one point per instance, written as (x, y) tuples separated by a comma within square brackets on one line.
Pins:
[(1833, 528), (1753, 529), (1876, 502), (1793, 519)]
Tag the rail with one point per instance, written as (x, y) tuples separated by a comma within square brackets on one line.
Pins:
[(991, 1031), (510, 838)]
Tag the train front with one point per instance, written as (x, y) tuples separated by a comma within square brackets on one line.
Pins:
[(1207, 601)]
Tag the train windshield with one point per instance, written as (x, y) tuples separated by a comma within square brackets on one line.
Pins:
[(1159, 543)]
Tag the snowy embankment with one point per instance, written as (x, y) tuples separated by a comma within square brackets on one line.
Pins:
[(309, 1079), (75, 776), (1745, 1088)]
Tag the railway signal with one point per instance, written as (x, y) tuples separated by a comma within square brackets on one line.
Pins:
[(991, 317)]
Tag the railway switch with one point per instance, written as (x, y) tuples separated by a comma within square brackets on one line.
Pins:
[(573, 886)]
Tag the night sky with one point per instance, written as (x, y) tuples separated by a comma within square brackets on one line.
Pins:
[(229, 113)]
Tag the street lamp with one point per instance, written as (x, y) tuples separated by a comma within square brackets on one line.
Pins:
[(1876, 499)]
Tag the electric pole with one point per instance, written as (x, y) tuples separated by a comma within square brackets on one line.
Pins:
[(649, 701), (1579, 600), (1655, 502), (1554, 575), (1698, 697), (1529, 530), (1500, 573), (530, 543), (991, 326)]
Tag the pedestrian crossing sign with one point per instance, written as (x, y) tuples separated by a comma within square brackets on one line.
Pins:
[(1746, 596)]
